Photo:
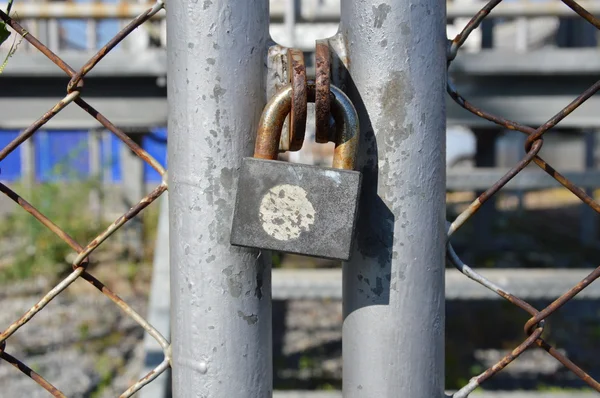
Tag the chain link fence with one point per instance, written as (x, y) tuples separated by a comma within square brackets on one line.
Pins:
[(75, 89), (534, 327)]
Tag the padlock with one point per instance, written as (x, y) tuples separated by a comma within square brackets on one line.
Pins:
[(298, 208)]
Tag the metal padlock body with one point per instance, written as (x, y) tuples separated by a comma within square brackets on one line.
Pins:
[(298, 208)]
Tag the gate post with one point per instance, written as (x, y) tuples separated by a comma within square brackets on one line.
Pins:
[(393, 288), (220, 294)]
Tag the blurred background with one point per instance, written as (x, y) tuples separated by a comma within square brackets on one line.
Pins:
[(525, 63)]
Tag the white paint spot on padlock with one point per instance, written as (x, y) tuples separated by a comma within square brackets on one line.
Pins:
[(285, 212)]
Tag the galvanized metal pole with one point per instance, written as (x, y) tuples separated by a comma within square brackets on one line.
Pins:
[(220, 295), (393, 288)]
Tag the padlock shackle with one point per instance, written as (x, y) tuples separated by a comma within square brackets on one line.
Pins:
[(280, 105)]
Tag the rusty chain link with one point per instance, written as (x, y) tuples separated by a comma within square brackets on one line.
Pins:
[(534, 328), (75, 88)]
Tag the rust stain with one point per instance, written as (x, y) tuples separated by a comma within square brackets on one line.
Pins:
[(298, 111), (323, 96)]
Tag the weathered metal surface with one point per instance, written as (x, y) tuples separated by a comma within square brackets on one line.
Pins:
[(299, 208), (393, 288), (296, 208), (277, 109), (323, 95), (220, 294), (298, 110)]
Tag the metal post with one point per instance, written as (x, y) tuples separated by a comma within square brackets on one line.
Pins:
[(220, 294), (393, 288)]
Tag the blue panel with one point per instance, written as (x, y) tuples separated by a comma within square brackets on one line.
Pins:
[(75, 34), (107, 28), (109, 159), (155, 144), (76, 30), (61, 155), (115, 145), (10, 167)]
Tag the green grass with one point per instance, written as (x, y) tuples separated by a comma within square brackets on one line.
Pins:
[(39, 251)]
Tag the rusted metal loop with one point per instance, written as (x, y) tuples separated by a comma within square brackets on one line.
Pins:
[(529, 156), (75, 84), (323, 95), (81, 264), (279, 106), (293, 138), (562, 300)]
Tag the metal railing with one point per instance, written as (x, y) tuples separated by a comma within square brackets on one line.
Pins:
[(293, 26), (310, 11), (534, 328), (75, 89)]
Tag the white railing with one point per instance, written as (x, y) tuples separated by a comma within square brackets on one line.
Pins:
[(294, 26)]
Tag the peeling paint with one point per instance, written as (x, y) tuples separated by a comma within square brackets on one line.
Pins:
[(234, 281), (405, 29), (227, 178), (380, 14), (218, 92), (250, 319)]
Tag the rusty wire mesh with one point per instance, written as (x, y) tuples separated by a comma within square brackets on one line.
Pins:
[(75, 89), (534, 327)]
